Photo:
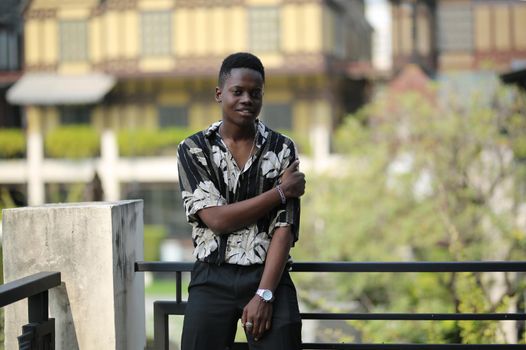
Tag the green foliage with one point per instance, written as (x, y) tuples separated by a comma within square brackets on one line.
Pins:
[(153, 235), (12, 143), (422, 180), (66, 193), (149, 142), (72, 141), (474, 332)]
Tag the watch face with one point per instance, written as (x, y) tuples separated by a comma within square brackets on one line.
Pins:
[(267, 295)]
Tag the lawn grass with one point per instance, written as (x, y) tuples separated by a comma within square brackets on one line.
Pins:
[(166, 286)]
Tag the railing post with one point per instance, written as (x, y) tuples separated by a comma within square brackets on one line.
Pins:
[(37, 306), (39, 333), (160, 327)]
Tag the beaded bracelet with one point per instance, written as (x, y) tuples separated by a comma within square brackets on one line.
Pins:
[(281, 194)]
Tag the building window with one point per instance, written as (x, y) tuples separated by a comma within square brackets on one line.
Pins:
[(73, 40), (9, 52), (339, 28), (173, 116), (277, 116), (455, 27), (156, 38), (264, 29), (75, 115)]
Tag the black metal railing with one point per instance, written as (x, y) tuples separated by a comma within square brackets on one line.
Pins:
[(162, 309), (39, 333)]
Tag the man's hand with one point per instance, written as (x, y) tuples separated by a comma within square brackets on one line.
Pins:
[(293, 181), (259, 314)]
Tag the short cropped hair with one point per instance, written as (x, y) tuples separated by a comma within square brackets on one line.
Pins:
[(239, 60)]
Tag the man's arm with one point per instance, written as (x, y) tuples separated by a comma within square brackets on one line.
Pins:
[(257, 311), (228, 218)]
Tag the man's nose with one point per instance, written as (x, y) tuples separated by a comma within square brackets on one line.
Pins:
[(246, 98)]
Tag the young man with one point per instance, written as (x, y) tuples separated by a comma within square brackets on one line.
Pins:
[(241, 186)]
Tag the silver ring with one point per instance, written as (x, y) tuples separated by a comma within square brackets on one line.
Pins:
[(248, 324)]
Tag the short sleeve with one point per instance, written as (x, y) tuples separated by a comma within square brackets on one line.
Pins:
[(198, 190), (288, 214)]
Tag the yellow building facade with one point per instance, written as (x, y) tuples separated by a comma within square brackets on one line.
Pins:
[(165, 55), (454, 35)]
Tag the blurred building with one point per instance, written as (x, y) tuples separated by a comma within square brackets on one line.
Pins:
[(459, 35), (11, 26), (132, 68), (10, 58)]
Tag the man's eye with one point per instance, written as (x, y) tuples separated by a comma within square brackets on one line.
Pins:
[(236, 92), (256, 94)]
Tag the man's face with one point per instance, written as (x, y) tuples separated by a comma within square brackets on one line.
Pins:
[(241, 96)]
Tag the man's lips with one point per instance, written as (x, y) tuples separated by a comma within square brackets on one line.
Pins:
[(245, 111)]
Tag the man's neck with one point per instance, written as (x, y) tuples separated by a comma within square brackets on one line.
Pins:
[(236, 133)]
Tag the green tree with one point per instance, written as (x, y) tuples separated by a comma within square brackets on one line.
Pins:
[(423, 178)]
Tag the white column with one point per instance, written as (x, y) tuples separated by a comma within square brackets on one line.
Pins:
[(100, 304), (35, 157), (320, 133), (108, 166)]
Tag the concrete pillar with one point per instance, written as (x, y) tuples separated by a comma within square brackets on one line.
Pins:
[(100, 304), (108, 165)]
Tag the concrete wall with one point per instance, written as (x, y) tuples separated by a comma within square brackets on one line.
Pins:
[(100, 304)]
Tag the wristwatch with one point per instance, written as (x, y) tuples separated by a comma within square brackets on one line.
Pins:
[(265, 294)]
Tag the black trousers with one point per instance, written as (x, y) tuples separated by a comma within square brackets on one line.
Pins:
[(217, 296)]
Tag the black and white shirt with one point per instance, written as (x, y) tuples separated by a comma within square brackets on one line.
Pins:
[(209, 176)]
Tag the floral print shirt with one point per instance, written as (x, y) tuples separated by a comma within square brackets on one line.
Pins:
[(209, 176)]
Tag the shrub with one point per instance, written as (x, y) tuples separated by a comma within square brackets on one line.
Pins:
[(12, 143), (153, 235), (143, 142), (72, 141), (519, 148)]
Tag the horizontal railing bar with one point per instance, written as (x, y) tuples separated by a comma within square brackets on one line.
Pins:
[(346, 346), (420, 266), (336, 346), (163, 266), (26, 287), (172, 307), (419, 316)]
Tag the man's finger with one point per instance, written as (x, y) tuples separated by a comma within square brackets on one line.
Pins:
[(244, 317), (294, 166)]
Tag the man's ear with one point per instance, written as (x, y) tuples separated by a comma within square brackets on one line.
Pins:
[(218, 95)]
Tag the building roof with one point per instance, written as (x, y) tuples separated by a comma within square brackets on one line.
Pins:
[(411, 78), (56, 89)]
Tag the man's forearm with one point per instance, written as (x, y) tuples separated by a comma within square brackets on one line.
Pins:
[(231, 217), (277, 257)]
